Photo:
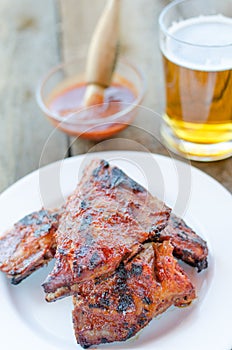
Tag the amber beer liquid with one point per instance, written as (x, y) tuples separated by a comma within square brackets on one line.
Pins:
[(199, 84)]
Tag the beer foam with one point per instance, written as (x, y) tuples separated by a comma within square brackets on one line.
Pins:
[(201, 43)]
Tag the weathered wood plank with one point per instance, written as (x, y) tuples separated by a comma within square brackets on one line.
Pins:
[(28, 48), (78, 20), (139, 42)]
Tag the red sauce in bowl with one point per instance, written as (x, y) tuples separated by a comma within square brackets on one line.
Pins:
[(97, 122)]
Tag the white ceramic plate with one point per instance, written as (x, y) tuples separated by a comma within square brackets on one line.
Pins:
[(27, 322)]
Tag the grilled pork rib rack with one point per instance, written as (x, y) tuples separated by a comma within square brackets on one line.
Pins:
[(114, 245)]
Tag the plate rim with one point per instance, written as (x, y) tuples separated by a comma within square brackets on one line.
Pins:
[(72, 159)]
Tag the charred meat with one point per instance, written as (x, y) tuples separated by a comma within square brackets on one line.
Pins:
[(101, 226), (116, 308), (115, 247), (28, 245), (188, 246)]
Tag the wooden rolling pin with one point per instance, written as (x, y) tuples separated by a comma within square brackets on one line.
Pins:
[(102, 55)]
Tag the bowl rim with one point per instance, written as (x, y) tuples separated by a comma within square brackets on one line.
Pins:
[(112, 118)]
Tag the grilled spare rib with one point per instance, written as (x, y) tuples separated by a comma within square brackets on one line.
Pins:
[(188, 246), (117, 307), (99, 228), (28, 245)]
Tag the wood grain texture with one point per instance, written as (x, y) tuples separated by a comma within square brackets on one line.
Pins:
[(28, 48), (139, 43), (78, 21)]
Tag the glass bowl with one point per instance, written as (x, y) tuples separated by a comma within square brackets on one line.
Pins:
[(95, 122)]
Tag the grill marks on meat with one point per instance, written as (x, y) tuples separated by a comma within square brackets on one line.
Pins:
[(117, 307), (28, 245), (114, 251), (100, 228), (188, 246)]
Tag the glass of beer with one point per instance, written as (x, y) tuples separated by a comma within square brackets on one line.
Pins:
[(196, 46)]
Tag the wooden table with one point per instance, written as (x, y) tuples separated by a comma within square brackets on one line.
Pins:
[(34, 36)]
